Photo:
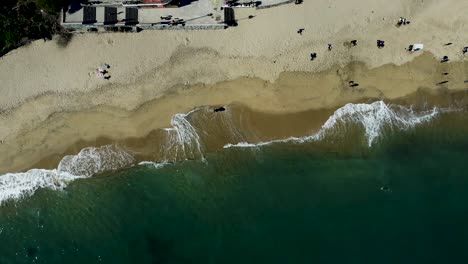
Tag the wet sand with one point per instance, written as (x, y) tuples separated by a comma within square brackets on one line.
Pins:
[(296, 104), (52, 104)]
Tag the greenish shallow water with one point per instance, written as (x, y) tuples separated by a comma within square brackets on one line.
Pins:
[(284, 203)]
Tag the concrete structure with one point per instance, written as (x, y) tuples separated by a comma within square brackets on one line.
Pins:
[(125, 16), (131, 3), (101, 18)]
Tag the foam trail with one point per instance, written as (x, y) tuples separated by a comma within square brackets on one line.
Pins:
[(156, 165), (86, 163), (183, 140), (246, 144), (373, 118), (18, 185), (91, 161)]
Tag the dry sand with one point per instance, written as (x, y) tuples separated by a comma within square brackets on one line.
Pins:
[(51, 98)]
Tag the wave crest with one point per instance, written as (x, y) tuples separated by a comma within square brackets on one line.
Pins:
[(156, 165), (183, 141), (373, 118), (18, 185), (86, 163), (90, 161)]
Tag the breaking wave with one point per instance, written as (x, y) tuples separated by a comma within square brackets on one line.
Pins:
[(156, 165), (87, 162), (183, 141), (91, 161), (18, 185), (374, 119)]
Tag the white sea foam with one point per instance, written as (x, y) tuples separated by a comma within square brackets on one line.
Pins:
[(18, 185), (91, 161), (183, 140), (244, 145), (156, 165), (373, 118), (87, 162)]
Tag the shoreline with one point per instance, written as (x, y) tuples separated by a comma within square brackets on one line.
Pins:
[(52, 99), (134, 130)]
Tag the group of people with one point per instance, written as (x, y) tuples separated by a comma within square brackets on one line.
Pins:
[(313, 55), (381, 44), (402, 21), (102, 72), (446, 59)]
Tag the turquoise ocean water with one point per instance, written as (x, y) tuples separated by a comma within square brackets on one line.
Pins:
[(337, 200)]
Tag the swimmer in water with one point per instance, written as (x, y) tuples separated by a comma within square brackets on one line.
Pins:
[(385, 189)]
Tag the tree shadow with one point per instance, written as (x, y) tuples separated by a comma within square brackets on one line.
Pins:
[(64, 39)]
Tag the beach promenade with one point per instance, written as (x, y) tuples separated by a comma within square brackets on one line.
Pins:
[(112, 16), (51, 97), (196, 13)]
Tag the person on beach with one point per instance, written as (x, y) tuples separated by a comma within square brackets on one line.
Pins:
[(330, 46), (300, 31), (380, 44), (385, 189), (465, 50), (402, 21), (444, 59), (353, 42), (313, 56), (106, 65)]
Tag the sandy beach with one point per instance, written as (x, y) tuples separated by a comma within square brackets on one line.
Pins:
[(52, 103)]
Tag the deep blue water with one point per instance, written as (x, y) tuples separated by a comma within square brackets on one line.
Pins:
[(404, 200)]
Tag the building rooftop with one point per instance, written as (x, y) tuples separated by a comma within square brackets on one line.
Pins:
[(118, 13)]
